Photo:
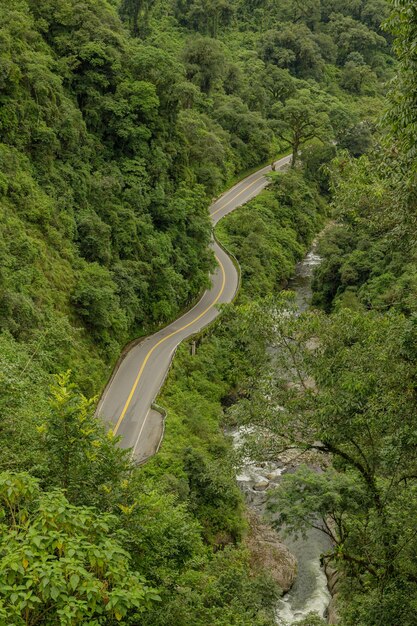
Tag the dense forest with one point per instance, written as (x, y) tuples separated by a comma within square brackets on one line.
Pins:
[(345, 379), (120, 120)]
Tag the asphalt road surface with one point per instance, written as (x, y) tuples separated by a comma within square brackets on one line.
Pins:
[(126, 402)]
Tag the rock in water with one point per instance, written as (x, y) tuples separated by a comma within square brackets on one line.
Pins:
[(261, 484)]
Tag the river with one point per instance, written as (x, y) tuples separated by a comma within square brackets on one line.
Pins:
[(309, 593)]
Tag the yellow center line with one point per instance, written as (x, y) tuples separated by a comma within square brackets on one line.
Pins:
[(151, 351), (237, 195), (175, 332)]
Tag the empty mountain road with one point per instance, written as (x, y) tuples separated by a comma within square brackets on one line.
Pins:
[(126, 403)]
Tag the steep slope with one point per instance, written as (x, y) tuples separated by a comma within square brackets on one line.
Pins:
[(113, 143)]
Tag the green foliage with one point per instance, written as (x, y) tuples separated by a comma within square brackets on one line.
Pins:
[(294, 48), (119, 121), (369, 256), (221, 594), (23, 399), (271, 233), (62, 564), (302, 118), (85, 460), (189, 539), (354, 389), (312, 619), (344, 387), (194, 448), (402, 24), (97, 302), (205, 63), (213, 498), (174, 523), (357, 77), (162, 534), (315, 159), (352, 36), (205, 17), (111, 146)]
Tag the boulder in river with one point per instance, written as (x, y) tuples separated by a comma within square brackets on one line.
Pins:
[(261, 484), (275, 475)]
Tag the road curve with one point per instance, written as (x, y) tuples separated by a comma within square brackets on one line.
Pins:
[(126, 401)]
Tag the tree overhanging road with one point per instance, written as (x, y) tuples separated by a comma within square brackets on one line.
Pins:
[(127, 400)]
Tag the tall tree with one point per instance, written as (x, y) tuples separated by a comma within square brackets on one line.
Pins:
[(205, 16), (137, 12), (300, 119), (402, 113)]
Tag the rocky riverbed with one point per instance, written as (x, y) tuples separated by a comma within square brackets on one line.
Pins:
[(295, 564)]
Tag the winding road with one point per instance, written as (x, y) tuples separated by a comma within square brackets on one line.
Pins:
[(126, 403)]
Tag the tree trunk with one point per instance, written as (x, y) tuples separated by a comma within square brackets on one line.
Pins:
[(294, 155)]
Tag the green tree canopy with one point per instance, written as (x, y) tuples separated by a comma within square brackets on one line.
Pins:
[(301, 118)]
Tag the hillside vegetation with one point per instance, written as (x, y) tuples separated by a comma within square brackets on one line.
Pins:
[(119, 122), (343, 388)]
